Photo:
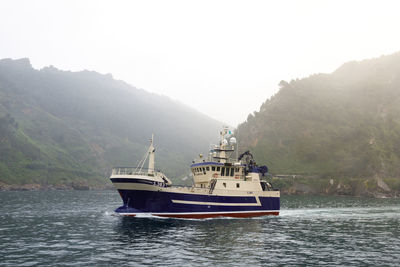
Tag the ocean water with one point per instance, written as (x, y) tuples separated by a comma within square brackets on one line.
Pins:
[(80, 228)]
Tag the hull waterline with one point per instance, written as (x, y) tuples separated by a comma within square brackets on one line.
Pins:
[(204, 215)]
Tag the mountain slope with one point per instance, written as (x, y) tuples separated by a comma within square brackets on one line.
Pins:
[(344, 124), (61, 127)]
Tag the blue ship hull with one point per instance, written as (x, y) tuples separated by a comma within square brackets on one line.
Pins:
[(182, 205)]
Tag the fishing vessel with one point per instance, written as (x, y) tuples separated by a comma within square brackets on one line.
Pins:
[(223, 186)]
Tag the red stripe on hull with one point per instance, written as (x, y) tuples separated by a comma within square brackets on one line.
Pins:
[(233, 215)]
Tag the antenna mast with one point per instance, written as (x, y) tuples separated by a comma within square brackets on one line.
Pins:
[(151, 156)]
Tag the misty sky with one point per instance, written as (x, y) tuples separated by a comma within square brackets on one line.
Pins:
[(223, 58)]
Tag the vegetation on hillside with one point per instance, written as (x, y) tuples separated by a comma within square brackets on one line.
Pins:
[(60, 127), (344, 124)]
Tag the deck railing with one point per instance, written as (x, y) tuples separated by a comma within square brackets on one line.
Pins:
[(133, 171)]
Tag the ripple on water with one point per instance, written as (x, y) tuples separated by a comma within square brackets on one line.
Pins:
[(80, 228)]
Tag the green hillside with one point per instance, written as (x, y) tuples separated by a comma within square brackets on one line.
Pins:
[(69, 128), (344, 124)]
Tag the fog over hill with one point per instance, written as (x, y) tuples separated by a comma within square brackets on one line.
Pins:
[(62, 128), (343, 124)]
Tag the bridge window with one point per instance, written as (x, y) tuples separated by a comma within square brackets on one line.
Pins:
[(232, 169), (222, 171), (237, 170), (208, 168), (213, 168), (218, 169)]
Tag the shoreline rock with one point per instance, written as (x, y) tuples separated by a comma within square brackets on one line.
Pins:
[(358, 187)]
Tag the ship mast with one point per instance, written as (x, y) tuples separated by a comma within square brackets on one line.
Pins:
[(222, 153), (151, 156), (223, 147)]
